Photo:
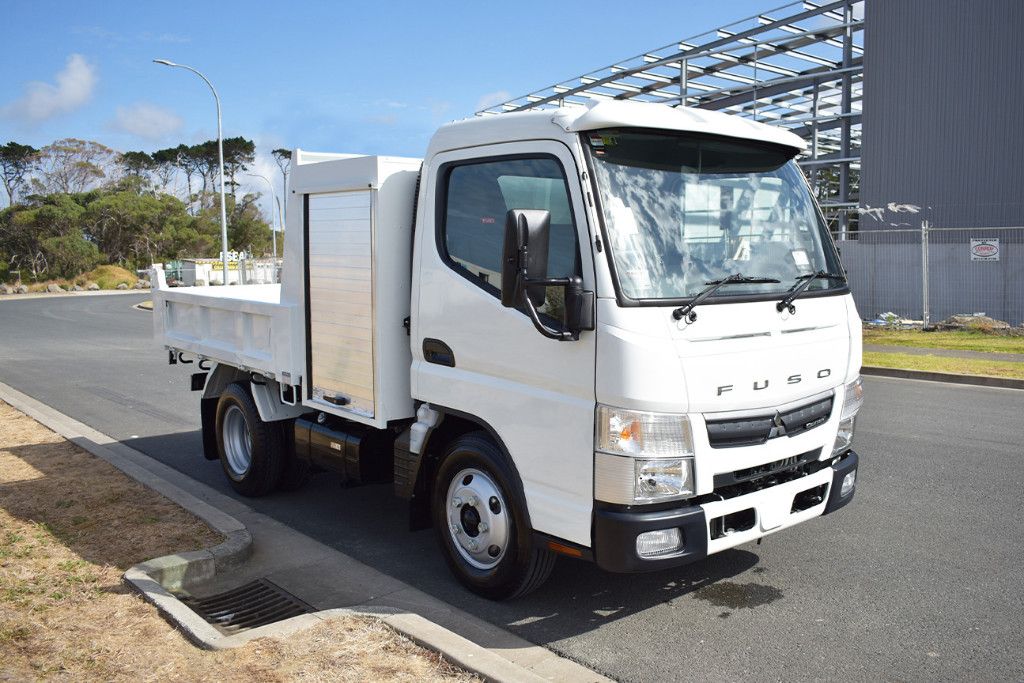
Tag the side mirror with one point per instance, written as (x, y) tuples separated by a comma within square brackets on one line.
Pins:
[(526, 239)]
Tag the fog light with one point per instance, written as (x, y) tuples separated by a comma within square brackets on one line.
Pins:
[(653, 544), (848, 481)]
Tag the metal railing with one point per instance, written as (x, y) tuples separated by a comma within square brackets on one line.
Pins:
[(927, 274)]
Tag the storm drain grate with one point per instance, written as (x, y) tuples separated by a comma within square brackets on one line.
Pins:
[(258, 603)]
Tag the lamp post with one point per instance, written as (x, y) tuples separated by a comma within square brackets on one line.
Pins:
[(280, 216), (220, 159)]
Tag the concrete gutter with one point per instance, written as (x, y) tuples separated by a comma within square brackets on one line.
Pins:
[(512, 659), (977, 380)]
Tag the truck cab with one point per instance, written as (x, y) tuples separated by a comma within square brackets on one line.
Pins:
[(618, 333), (651, 439)]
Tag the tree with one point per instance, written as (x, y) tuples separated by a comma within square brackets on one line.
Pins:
[(283, 157), (246, 228), (165, 162), (72, 165), (25, 228), (136, 164), (190, 161), (239, 154), (16, 162), (139, 229), (70, 255)]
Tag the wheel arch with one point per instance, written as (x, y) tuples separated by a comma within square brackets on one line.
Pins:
[(451, 425)]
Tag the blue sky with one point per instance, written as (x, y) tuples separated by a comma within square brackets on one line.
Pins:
[(364, 77)]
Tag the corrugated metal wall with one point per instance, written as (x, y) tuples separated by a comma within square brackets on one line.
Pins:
[(943, 113)]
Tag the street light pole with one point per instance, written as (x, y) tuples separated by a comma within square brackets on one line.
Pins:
[(280, 216), (220, 160)]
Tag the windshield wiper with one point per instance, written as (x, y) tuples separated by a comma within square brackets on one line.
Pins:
[(803, 282), (712, 287)]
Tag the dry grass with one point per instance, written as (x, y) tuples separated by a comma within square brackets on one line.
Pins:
[(70, 525), (957, 366), (961, 341), (107, 277)]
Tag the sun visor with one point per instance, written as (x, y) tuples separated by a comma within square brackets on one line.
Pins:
[(621, 114)]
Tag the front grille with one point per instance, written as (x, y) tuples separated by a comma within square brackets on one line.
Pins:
[(751, 431), (766, 470)]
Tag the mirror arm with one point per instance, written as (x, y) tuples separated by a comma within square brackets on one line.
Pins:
[(542, 328), (525, 283)]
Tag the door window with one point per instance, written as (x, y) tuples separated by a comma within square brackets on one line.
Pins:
[(477, 197)]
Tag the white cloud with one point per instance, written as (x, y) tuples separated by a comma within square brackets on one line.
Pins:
[(492, 98), (73, 87), (146, 121)]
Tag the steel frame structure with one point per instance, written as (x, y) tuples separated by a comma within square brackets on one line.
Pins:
[(799, 66)]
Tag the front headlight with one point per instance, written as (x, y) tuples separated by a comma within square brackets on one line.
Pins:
[(663, 478), (639, 434), (844, 438), (642, 457), (853, 399)]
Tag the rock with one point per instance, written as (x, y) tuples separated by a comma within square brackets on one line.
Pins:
[(200, 282), (54, 289), (5, 289), (144, 284), (122, 285), (21, 289), (137, 285), (92, 286), (982, 323), (76, 288)]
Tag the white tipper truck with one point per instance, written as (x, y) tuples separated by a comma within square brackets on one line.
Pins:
[(619, 333)]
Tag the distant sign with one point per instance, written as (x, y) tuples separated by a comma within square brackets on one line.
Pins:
[(985, 249)]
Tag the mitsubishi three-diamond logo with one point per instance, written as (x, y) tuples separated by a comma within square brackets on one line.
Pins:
[(778, 426)]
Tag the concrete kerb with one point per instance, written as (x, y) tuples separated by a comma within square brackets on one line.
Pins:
[(950, 378), (49, 295), (156, 578)]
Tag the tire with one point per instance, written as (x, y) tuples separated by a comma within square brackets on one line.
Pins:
[(482, 523), (251, 451)]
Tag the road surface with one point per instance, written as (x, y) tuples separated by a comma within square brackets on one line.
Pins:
[(920, 578)]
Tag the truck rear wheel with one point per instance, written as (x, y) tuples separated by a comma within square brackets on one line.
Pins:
[(251, 451), (481, 522)]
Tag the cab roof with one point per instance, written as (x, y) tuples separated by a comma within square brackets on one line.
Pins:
[(554, 123)]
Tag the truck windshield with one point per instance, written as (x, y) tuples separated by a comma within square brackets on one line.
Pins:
[(681, 210)]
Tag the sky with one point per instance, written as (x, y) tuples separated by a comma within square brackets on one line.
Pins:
[(370, 77)]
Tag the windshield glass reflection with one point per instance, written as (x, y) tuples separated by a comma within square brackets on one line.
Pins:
[(682, 210)]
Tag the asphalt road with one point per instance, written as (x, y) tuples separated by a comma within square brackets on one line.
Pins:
[(920, 578)]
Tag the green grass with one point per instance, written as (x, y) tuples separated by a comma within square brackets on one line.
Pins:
[(956, 366), (960, 341)]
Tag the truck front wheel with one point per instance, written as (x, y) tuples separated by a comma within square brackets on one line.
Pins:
[(251, 451), (481, 522)]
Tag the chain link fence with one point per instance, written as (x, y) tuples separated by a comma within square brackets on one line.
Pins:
[(928, 273)]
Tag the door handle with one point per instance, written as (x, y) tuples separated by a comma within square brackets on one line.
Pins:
[(437, 352)]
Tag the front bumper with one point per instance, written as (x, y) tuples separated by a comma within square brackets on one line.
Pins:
[(616, 528)]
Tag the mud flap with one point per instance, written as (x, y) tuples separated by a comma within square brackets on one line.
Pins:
[(208, 416)]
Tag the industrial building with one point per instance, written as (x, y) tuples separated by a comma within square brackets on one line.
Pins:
[(911, 111)]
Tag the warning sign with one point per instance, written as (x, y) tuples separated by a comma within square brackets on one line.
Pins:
[(985, 249)]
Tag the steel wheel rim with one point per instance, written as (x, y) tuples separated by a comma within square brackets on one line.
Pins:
[(237, 441), (478, 518)]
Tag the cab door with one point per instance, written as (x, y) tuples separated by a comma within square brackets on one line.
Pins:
[(472, 355)]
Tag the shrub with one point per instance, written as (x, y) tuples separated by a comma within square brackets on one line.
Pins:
[(109, 277)]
